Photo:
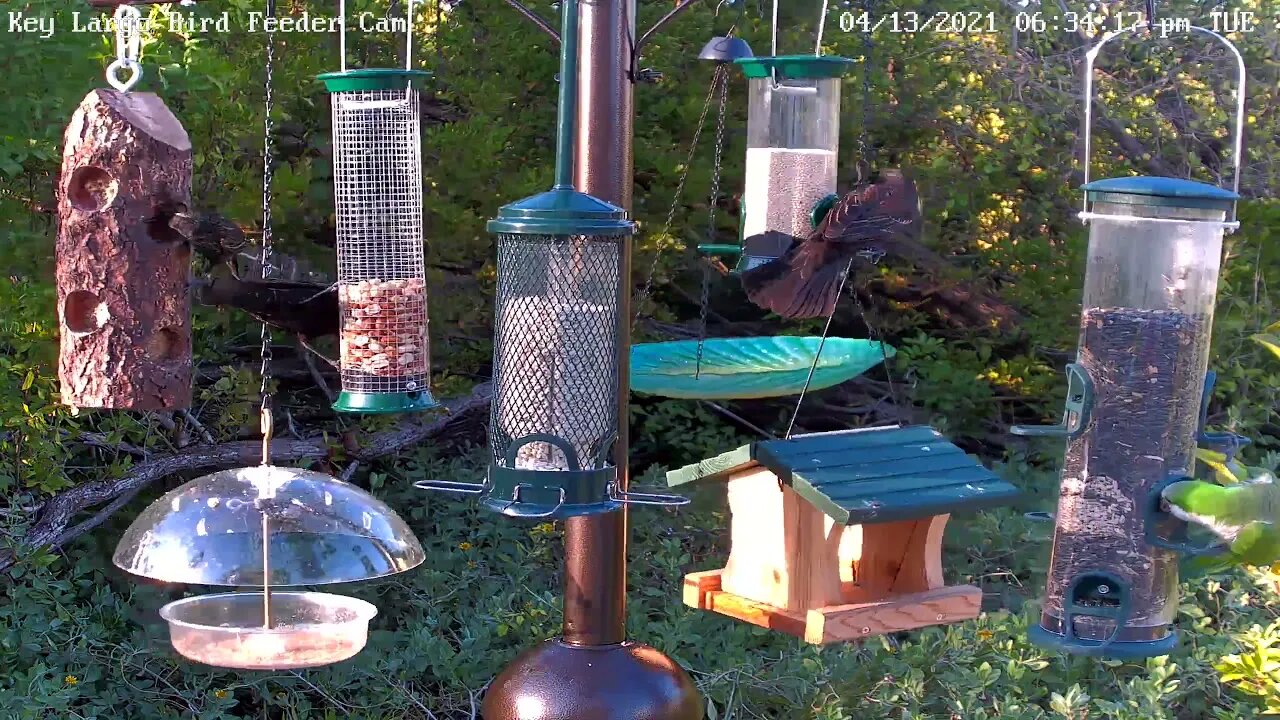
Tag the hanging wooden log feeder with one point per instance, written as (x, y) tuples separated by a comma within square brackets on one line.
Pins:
[(124, 307)]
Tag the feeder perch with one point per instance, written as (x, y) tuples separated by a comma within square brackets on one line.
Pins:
[(377, 180), (838, 536), (793, 139), (1135, 395), (124, 308), (267, 527)]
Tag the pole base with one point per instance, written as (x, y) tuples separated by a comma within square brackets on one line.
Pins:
[(1122, 650), (559, 681)]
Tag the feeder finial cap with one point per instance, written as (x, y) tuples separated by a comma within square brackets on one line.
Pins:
[(1160, 192), (794, 67), (725, 49), (370, 79), (562, 211)]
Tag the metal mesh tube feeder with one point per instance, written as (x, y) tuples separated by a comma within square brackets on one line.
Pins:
[(377, 179), (554, 417), (1133, 418)]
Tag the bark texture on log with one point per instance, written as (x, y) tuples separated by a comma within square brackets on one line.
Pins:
[(124, 306)]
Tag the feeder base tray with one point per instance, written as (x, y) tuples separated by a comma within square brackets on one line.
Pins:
[(380, 403), (838, 623), (1130, 650), (308, 629)]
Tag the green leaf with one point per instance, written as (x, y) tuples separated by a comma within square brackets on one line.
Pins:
[(1270, 338)]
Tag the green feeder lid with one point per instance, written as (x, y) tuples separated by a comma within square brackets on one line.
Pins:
[(794, 67), (562, 211), (1161, 192), (372, 79)]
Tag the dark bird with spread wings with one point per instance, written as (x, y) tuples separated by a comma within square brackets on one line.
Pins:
[(872, 219)]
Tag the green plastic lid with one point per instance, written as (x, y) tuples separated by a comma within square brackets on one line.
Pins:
[(562, 211), (794, 67), (1161, 192), (372, 79)]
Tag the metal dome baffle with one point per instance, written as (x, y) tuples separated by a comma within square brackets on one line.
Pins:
[(557, 320), (1132, 419), (267, 527), (377, 180), (793, 142)]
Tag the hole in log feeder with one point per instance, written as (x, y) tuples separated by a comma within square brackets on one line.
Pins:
[(165, 345), (84, 312), (91, 188)]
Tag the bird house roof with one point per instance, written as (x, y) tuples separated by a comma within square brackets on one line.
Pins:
[(866, 476)]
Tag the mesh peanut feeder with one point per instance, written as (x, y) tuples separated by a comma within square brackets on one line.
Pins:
[(1134, 394), (557, 321), (377, 181)]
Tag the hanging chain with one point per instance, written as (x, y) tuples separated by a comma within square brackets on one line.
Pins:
[(128, 26), (721, 75), (705, 298), (265, 259)]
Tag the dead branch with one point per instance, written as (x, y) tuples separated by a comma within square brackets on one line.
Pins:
[(50, 528)]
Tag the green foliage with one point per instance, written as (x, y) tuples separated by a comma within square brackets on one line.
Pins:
[(988, 123)]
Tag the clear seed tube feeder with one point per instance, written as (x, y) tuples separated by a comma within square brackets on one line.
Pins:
[(377, 180), (793, 141), (1133, 411)]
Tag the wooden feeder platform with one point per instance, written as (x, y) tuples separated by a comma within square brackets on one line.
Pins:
[(838, 536)]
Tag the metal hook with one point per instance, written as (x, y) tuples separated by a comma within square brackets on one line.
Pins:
[(113, 74), (268, 429), (1237, 141)]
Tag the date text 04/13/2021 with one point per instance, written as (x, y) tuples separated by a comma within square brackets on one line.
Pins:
[(908, 21)]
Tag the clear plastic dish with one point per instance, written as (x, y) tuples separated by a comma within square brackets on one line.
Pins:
[(307, 629)]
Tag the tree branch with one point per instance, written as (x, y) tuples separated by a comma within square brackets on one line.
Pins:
[(50, 528)]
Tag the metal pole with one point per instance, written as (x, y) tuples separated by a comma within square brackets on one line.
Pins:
[(595, 547)]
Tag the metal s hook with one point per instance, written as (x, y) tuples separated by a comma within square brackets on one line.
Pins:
[(128, 30)]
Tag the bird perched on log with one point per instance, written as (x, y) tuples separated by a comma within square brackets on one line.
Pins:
[(306, 309), (882, 217), (212, 236)]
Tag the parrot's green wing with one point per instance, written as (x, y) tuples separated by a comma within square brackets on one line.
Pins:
[(1245, 516)]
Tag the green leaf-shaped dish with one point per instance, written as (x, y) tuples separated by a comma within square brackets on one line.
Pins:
[(749, 367)]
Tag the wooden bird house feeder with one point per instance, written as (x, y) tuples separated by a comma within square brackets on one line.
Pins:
[(838, 536), (124, 306)]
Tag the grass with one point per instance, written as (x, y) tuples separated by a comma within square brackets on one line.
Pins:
[(80, 641)]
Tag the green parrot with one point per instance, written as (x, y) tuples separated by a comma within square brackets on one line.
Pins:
[(1244, 516)]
